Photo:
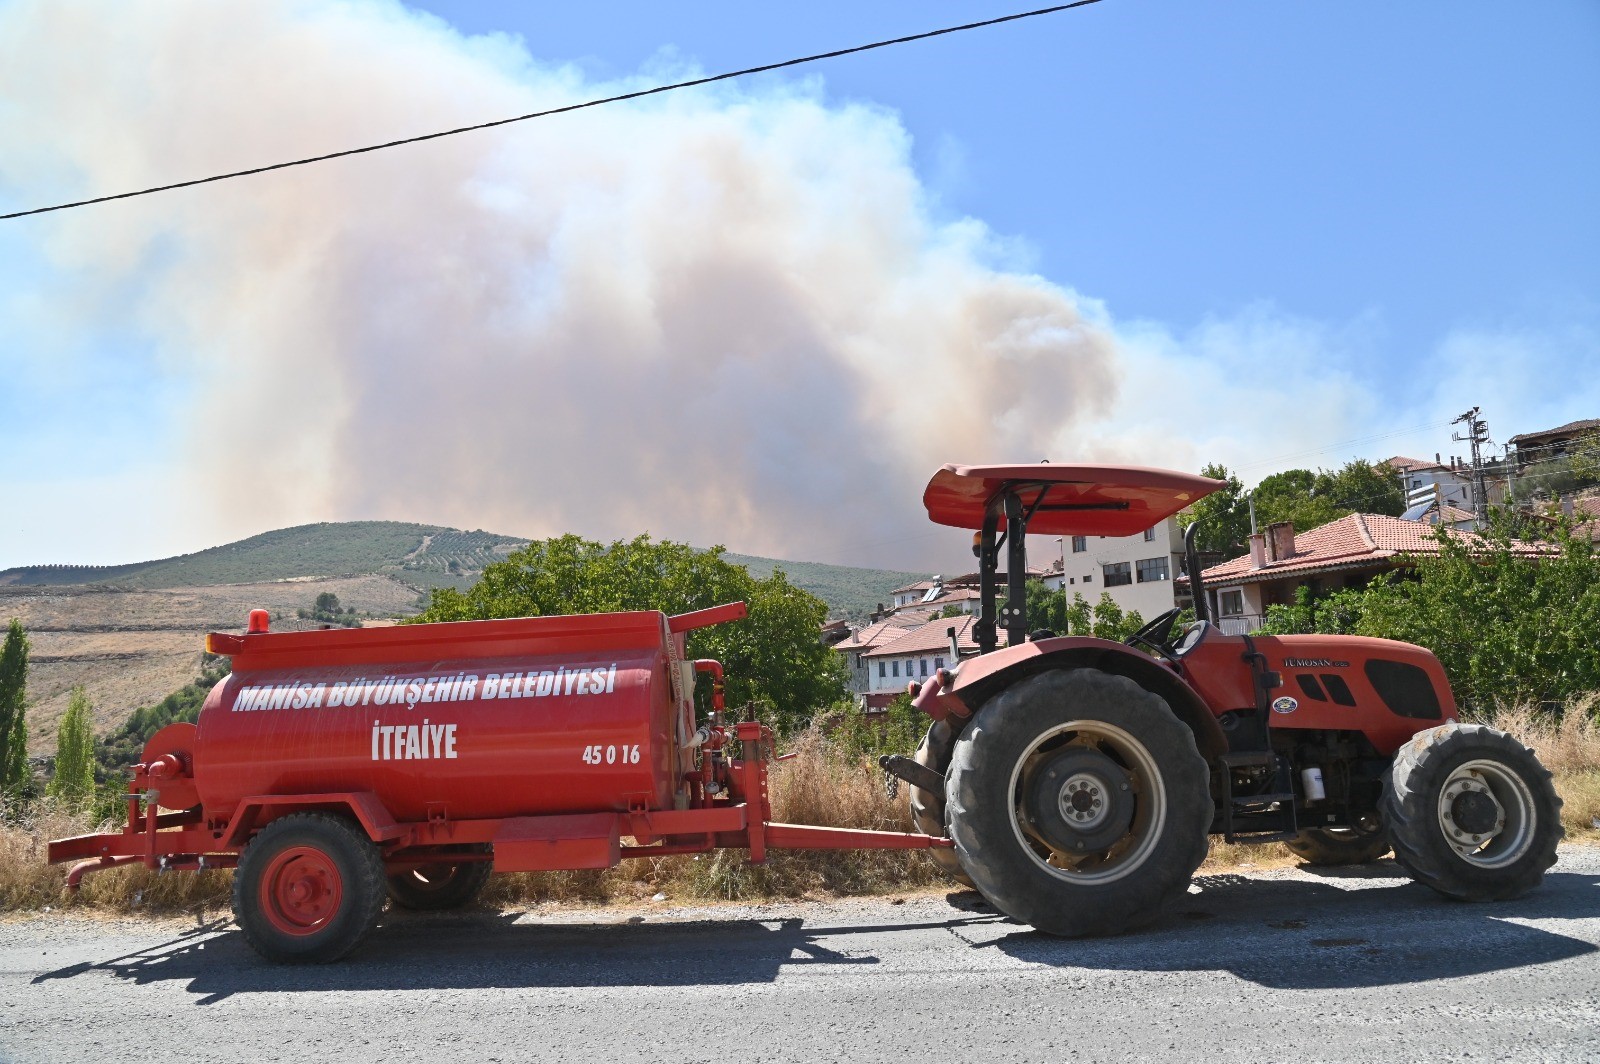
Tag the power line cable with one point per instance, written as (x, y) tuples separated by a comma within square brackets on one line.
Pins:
[(563, 110)]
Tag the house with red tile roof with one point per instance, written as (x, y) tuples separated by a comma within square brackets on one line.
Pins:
[(1346, 553), (1553, 443), (915, 655)]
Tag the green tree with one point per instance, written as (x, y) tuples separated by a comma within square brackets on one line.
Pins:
[(1506, 627), (774, 657), (1361, 487), (1224, 515), (13, 712), (73, 780), (327, 603), (1312, 499)]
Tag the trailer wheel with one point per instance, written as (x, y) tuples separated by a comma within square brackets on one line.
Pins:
[(927, 807), (433, 887), (308, 888), (1471, 813), (1332, 847), (1079, 803)]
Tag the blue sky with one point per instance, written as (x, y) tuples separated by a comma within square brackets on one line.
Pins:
[(1387, 209), (1430, 163)]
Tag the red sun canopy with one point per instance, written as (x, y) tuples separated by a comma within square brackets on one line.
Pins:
[(1077, 500)]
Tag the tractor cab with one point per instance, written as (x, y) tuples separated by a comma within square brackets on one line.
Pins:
[(1003, 504)]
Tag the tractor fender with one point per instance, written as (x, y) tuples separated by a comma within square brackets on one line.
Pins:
[(981, 678)]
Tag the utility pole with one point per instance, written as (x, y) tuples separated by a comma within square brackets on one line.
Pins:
[(1477, 435)]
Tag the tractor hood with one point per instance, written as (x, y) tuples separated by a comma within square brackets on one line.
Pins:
[(1065, 500)]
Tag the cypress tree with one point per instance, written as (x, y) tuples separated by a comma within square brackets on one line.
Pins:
[(74, 776), (13, 712)]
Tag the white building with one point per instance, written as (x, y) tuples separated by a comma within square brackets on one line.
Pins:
[(915, 655), (1137, 571), (1451, 485)]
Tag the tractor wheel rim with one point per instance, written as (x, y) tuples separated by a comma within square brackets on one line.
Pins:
[(1487, 814), (1149, 795), (301, 890)]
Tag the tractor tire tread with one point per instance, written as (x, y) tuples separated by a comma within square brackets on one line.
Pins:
[(1410, 814), (366, 889), (927, 808), (985, 839)]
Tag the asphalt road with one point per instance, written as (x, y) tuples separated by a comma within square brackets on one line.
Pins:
[(1285, 965)]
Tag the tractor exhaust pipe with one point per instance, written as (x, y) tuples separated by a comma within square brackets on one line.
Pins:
[(1197, 587)]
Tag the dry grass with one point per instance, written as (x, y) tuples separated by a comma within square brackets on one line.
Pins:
[(1569, 746), (820, 787)]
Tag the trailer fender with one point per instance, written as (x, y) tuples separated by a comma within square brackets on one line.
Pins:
[(363, 807)]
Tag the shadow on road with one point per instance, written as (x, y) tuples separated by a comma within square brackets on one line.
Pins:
[(1283, 933), (1294, 934)]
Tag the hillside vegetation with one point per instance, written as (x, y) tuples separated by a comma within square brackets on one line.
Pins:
[(424, 556)]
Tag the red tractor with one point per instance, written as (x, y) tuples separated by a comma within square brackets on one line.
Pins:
[(1074, 781), (1081, 779)]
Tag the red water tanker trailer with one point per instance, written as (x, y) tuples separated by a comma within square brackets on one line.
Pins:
[(334, 768), (1074, 781)]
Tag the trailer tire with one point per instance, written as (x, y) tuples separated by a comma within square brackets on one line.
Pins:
[(1447, 782), (308, 888), (1333, 848), (1079, 803), (927, 808), (434, 887)]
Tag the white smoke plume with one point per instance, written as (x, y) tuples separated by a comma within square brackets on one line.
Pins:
[(725, 315)]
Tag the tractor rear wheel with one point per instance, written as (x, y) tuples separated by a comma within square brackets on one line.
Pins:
[(432, 887), (1332, 847), (1471, 813), (308, 888), (1079, 803), (927, 807)]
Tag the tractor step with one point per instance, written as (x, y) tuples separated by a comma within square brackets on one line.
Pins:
[(1249, 800), (1263, 838)]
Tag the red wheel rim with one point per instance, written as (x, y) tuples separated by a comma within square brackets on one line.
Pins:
[(301, 890)]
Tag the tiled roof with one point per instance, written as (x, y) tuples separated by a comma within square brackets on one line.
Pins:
[(1587, 425), (1358, 540), (930, 637), (1407, 465), (920, 585), (1454, 515), (872, 635)]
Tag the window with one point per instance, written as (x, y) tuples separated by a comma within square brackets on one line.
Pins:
[(1230, 603), (1080, 544), (923, 666), (897, 668), (1117, 574), (1088, 578), (1150, 535), (1151, 569), (883, 669), (938, 663)]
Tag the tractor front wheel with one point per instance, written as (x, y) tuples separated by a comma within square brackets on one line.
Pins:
[(1078, 803), (1471, 813), (308, 888)]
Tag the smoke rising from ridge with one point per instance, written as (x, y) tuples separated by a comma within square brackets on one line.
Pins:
[(725, 315)]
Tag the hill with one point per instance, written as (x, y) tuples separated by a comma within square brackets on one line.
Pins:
[(421, 555)]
